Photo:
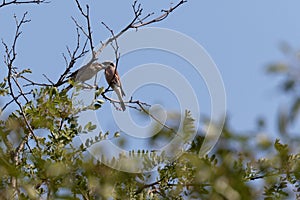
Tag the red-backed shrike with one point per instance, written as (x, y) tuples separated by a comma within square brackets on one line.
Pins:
[(113, 79), (85, 73)]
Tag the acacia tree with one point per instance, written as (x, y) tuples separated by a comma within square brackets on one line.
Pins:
[(50, 167)]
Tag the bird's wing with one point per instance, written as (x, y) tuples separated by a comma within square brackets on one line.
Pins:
[(73, 75)]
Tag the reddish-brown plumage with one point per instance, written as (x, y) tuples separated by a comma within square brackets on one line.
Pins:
[(113, 79)]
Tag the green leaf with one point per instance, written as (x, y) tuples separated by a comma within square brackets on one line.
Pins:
[(188, 126), (3, 84), (277, 68), (92, 127), (56, 169), (105, 135), (87, 142), (100, 101), (3, 92), (97, 106), (28, 71), (288, 85), (281, 148), (79, 129), (87, 126), (99, 91), (117, 134)]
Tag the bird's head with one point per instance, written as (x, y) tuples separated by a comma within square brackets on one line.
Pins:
[(107, 64), (98, 66)]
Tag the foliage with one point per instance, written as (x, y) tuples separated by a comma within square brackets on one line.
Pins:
[(38, 159), (50, 166)]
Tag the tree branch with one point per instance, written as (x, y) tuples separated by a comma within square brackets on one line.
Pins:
[(135, 23), (12, 77), (141, 108), (149, 185), (252, 178), (117, 54), (138, 22), (89, 30), (145, 186), (74, 56), (11, 101), (16, 2)]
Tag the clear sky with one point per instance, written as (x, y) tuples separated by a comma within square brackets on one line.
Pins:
[(241, 37)]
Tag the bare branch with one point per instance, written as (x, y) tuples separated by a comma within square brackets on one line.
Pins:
[(141, 105), (89, 30), (34, 83), (135, 23), (44, 75), (80, 27), (11, 101), (141, 108), (74, 56), (12, 79), (115, 47), (10, 58), (159, 18), (16, 2), (11, 53), (138, 22)]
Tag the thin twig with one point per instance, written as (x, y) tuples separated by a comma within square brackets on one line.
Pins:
[(5, 3), (17, 97), (135, 23), (34, 83), (117, 54), (74, 56), (141, 108), (159, 18), (263, 176), (138, 22), (89, 29), (12, 77)]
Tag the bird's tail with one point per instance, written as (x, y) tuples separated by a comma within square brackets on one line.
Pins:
[(119, 94)]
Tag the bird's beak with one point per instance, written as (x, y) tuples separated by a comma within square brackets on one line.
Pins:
[(103, 66), (106, 64)]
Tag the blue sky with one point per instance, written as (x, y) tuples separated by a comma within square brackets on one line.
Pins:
[(241, 37)]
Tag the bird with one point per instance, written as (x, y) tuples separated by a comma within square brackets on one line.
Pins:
[(113, 80), (85, 73)]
